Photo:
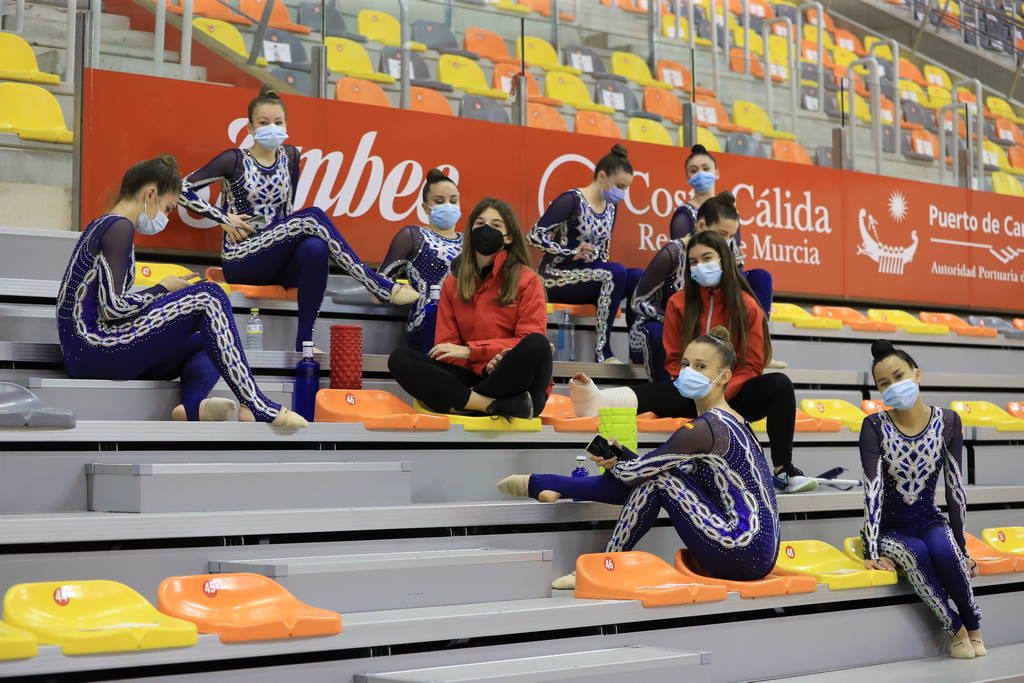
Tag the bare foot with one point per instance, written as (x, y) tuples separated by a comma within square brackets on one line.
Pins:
[(548, 496), (403, 295), (245, 415), (289, 420), (210, 410)]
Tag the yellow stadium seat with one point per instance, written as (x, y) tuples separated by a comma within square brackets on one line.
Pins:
[(32, 113), (669, 31), (906, 321), (752, 116), (227, 35), (150, 274), (539, 52), (756, 41), (18, 62), (486, 423), (1004, 183), (936, 75), (778, 57), (571, 90), (646, 130), (811, 35), (883, 51), (1007, 539), (89, 617), (845, 412), (465, 74), (939, 96), (915, 93), (381, 27), (635, 69), (861, 108), (829, 566), (1000, 107), (986, 414), (707, 138), (798, 317), (16, 643), (511, 6), (348, 57), (853, 548)]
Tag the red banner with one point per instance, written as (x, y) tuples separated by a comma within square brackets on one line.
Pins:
[(821, 232)]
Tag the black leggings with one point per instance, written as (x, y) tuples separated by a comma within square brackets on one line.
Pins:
[(444, 387), (765, 396)]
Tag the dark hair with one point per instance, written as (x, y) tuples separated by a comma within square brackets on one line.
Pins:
[(732, 286), (699, 151), (721, 206), (719, 338), (162, 170), (267, 95), (614, 161), (467, 273), (435, 176), (882, 349)]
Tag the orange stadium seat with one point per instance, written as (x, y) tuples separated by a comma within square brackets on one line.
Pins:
[(712, 113), (790, 150), (680, 77), (429, 101), (640, 576), (375, 409), (211, 9), (910, 72), (504, 75), (363, 92), (488, 45), (664, 104), (871, 407), (559, 414), (773, 584), (277, 292), (853, 319), (544, 116), (596, 123), (958, 325), (543, 8), (279, 16)]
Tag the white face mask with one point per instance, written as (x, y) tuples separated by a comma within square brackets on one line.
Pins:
[(270, 136), (150, 226)]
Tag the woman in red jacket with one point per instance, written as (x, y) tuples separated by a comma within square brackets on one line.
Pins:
[(491, 354), (714, 293)]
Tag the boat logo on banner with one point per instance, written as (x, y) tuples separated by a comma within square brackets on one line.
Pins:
[(891, 259)]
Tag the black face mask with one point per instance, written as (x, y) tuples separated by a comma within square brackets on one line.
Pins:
[(486, 240)]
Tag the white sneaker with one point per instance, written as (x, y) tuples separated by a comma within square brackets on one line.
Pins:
[(565, 583)]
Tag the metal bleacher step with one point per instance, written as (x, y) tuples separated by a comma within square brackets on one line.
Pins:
[(1005, 663), (637, 664), (217, 486), (381, 581)]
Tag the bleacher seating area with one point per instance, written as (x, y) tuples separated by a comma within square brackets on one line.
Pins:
[(373, 545)]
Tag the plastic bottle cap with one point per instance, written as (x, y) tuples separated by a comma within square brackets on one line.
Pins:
[(254, 310)]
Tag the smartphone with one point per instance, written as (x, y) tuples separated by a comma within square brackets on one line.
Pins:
[(600, 447), (258, 222)]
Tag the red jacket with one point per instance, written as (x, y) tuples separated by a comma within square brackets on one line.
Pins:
[(713, 313), (484, 325)]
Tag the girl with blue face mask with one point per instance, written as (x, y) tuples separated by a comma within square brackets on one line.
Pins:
[(575, 234), (169, 331), (424, 255), (711, 477), (905, 451), (267, 242), (702, 175)]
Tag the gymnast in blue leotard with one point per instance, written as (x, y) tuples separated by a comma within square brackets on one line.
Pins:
[(711, 477), (266, 243), (167, 331)]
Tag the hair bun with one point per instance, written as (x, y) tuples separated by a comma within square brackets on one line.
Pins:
[(169, 160), (436, 175), (721, 332), (698, 149), (269, 91), (727, 198), (620, 151), (881, 348)]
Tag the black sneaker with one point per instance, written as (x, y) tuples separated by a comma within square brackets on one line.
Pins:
[(791, 479), (520, 406)]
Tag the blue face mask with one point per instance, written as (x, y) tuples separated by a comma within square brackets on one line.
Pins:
[(270, 136), (145, 225), (445, 216), (692, 384), (707, 274), (614, 195), (901, 395), (703, 181)]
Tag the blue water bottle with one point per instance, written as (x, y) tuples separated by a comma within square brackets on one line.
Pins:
[(581, 467), (307, 383)]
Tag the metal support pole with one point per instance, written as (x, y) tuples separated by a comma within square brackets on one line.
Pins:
[(715, 77), (403, 20), (159, 29), (185, 56), (1016, 77), (979, 129), (318, 63), (653, 12), (820, 62), (746, 35), (520, 108), (449, 20), (689, 128), (897, 106), (79, 39), (71, 53), (726, 33), (96, 9), (794, 78), (955, 109), (554, 24), (261, 30), (690, 23)]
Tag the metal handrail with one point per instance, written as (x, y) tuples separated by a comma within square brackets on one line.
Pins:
[(979, 132), (185, 56), (955, 108), (897, 106), (874, 87), (72, 47), (794, 78), (821, 44), (159, 31), (18, 14), (404, 38)]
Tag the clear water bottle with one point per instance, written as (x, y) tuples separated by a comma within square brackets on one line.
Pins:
[(307, 383), (566, 347), (254, 331), (581, 467), (435, 293)]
